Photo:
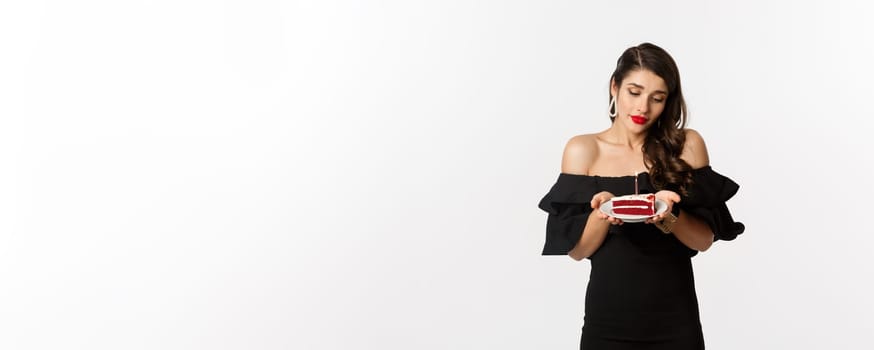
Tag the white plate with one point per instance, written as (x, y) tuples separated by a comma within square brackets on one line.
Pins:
[(607, 208)]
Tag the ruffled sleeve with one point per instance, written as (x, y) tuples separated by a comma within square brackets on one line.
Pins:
[(706, 200), (568, 204)]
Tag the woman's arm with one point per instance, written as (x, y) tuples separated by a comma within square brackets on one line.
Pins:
[(579, 154), (595, 230), (690, 230)]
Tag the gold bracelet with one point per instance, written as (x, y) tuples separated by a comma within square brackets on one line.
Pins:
[(667, 224)]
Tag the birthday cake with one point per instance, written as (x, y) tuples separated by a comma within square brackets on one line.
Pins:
[(634, 204)]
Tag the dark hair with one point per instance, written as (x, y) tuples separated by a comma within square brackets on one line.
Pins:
[(665, 139)]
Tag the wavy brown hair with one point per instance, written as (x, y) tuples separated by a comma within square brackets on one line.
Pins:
[(665, 139)]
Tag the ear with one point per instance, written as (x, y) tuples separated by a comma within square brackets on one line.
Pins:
[(614, 90)]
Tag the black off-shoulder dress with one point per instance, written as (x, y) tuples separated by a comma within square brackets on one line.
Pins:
[(641, 291)]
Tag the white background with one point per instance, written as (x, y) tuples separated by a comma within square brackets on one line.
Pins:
[(365, 174)]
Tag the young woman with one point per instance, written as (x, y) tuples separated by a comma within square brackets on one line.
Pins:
[(641, 292)]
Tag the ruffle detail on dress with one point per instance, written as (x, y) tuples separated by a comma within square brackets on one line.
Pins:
[(706, 200), (568, 203)]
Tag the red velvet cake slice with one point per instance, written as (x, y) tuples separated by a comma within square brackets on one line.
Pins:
[(634, 204)]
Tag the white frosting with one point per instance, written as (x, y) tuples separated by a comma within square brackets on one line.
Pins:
[(639, 197)]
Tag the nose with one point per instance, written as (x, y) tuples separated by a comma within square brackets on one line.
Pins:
[(642, 108)]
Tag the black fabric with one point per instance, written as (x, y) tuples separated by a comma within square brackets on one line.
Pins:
[(568, 204), (641, 291), (706, 200)]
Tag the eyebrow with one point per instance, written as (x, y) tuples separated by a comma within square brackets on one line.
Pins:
[(642, 87)]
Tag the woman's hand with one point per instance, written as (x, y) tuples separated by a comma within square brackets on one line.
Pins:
[(666, 196), (599, 199)]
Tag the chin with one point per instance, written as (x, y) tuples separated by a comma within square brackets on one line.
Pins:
[(638, 127)]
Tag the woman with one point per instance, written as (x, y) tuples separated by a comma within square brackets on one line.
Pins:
[(641, 293)]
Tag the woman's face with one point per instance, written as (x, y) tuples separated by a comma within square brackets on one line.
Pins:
[(640, 99)]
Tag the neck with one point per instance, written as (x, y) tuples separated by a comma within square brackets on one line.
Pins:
[(621, 136)]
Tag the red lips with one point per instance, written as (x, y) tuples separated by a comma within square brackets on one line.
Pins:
[(638, 119)]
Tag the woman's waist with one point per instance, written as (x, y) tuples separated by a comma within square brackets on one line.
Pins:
[(642, 281), (643, 244)]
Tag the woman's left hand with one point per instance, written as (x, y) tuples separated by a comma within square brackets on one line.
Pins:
[(669, 197)]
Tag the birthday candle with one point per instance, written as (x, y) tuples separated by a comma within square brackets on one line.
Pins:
[(635, 183)]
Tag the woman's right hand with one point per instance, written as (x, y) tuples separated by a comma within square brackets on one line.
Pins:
[(599, 199)]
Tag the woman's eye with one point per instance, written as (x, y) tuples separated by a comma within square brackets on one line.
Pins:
[(634, 93), (658, 100)]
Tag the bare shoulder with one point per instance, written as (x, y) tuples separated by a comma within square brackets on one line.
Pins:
[(694, 150), (579, 154)]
